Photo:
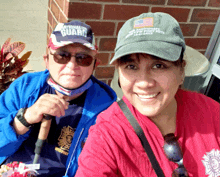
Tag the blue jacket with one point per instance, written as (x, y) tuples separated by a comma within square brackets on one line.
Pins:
[(25, 91)]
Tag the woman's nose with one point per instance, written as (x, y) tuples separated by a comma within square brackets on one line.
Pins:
[(145, 80)]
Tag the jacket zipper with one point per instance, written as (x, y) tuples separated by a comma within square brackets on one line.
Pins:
[(74, 151)]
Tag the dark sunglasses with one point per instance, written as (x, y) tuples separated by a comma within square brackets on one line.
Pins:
[(174, 154), (64, 57)]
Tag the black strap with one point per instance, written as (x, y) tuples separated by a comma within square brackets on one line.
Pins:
[(142, 138)]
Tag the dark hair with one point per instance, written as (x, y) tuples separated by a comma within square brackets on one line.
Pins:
[(125, 58)]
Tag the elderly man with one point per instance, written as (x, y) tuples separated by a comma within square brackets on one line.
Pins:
[(67, 91)]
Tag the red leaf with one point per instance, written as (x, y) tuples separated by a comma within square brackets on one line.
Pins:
[(15, 48), (5, 45), (8, 56)]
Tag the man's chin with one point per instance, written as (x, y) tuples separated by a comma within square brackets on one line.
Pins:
[(70, 84), (71, 87)]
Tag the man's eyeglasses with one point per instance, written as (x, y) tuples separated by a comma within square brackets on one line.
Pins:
[(64, 57), (174, 154)]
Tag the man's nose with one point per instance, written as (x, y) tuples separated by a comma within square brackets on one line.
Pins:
[(72, 63)]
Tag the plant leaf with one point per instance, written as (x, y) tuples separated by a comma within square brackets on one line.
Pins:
[(15, 48), (11, 70), (21, 64), (5, 46), (26, 56), (8, 56)]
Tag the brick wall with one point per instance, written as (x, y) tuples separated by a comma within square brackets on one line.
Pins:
[(197, 19)]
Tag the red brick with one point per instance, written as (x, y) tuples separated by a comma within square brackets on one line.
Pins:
[(104, 58), (109, 82), (180, 14), (103, 80), (102, 28), (104, 72), (197, 43), (202, 52), (214, 3), (112, 55), (49, 3), (47, 51), (188, 29), (120, 24), (205, 15), (187, 2), (66, 7), (62, 18), (206, 30), (47, 39), (50, 18), (123, 12), (60, 3), (49, 30), (105, 0), (54, 23), (55, 10), (155, 2), (84, 10), (107, 44)]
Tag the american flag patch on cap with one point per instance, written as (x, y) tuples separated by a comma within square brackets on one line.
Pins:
[(144, 22)]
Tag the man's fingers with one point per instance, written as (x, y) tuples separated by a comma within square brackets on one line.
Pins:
[(47, 104)]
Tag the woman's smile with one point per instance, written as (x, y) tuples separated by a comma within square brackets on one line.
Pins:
[(149, 83)]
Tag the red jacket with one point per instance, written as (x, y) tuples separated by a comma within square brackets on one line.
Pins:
[(113, 148)]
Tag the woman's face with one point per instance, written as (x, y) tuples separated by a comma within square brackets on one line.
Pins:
[(70, 75), (150, 84)]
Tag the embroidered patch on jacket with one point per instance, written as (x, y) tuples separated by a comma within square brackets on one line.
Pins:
[(144, 22), (212, 163), (65, 140)]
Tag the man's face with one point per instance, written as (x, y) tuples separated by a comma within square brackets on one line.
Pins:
[(70, 75)]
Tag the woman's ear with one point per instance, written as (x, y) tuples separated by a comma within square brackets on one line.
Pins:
[(182, 77), (184, 64)]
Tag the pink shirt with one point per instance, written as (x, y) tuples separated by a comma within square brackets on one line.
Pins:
[(113, 148)]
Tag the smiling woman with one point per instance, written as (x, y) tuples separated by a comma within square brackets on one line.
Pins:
[(180, 126), (150, 83)]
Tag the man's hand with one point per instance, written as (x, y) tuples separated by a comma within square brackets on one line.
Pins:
[(50, 104)]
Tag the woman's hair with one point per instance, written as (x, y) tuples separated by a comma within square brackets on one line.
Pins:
[(124, 59)]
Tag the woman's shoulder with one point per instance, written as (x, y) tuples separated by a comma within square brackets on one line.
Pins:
[(197, 102), (112, 118), (109, 114), (193, 96)]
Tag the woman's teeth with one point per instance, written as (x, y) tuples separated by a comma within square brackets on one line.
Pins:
[(147, 96)]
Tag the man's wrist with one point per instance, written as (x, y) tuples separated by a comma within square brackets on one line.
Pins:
[(21, 118)]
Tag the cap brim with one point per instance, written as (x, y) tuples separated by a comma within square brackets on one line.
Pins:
[(164, 50), (196, 62)]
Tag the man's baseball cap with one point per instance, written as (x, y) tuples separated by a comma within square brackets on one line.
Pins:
[(157, 34), (72, 32)]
